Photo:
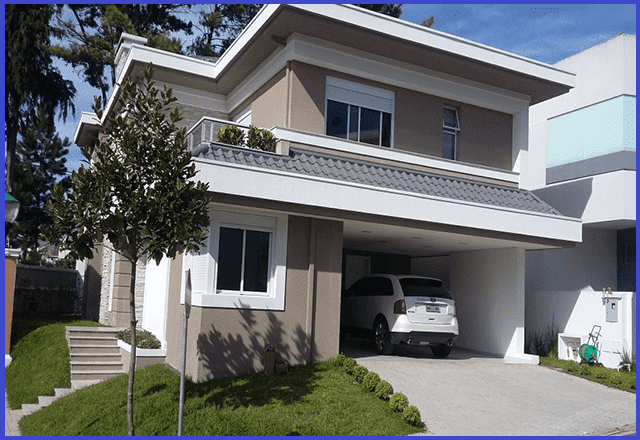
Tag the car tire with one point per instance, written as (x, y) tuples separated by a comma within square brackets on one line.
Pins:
[(440, 350), (382, 337)]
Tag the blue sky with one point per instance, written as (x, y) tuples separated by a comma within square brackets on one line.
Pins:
[(547, 33)]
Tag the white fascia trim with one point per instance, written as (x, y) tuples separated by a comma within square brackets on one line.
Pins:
[(325, 193), (345, 146), (248, 33), (146, 55), (87, 120), (396, 28)]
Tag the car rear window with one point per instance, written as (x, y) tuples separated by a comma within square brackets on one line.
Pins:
[(371, 286), (424, 287)]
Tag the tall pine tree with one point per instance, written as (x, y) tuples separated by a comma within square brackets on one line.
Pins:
[(40, 164), (30, 78)]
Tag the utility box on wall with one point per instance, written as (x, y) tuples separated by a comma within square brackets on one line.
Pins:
[(611, 309)]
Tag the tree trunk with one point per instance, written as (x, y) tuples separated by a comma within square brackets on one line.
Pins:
[(132, 364)]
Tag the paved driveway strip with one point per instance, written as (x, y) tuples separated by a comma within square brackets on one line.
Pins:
[(468, 395)]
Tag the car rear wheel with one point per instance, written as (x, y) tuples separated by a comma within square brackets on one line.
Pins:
[(440, 350), (382, 337)]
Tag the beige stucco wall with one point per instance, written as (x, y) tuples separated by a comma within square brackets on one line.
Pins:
[(269, 103), (485, 137), (226, 342)]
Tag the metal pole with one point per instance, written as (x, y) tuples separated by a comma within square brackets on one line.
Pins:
[(187, 307)]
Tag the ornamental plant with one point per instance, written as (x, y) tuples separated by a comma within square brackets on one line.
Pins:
[(398, 402), (261, 139), (383, 390), (370, 380), (349, 365), (359, 372), (231, 134), (411, 415), (144, 338)]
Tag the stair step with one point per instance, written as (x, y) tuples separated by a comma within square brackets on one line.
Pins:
[(46, 400), (96, 357), (95, 365), (79, 384), (93, 340), (61, 392), (30, 408), (93, 349), (95, 375)]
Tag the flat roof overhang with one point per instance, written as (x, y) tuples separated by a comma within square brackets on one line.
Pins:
[(386, 216), (360, 30)]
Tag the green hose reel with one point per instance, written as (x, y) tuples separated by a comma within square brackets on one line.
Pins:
[(588, 351)]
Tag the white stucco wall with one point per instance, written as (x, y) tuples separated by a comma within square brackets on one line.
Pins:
[(488, 287), (156, 289), (603, 72)]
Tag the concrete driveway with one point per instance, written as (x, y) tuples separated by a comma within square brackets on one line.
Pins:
[(472, 394)]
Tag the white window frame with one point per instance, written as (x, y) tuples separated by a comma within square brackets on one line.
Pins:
[(452, 130), (361, 95), (204, 266)]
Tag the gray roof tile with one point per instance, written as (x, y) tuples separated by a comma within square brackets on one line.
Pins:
[(344, 169)]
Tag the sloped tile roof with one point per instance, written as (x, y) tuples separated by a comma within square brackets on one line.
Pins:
[(338, 168)]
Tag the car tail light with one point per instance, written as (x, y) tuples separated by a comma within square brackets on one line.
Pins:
[(399, 307)]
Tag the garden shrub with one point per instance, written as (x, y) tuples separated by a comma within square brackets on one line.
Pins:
[(370, 380), (144, 338), (261, 139), (359, 372), (231, 134), (349, 364), (383, 390), (411, 415), (398, 402), (585, 370), (616, 378), (338, 361)]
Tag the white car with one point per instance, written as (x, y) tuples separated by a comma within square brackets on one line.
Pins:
[(397, 309)]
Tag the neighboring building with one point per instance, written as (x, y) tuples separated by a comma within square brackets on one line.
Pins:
[(397, 144), (584, 163)]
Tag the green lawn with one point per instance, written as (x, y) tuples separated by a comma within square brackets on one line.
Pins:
[(315, 399), (623, 379), (40, 360)]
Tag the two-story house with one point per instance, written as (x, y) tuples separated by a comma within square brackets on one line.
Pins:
[(395, 142), (585, 166)]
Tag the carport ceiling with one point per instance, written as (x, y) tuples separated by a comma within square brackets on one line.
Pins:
[(415, 242)]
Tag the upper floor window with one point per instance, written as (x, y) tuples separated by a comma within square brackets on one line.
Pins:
[(358, 112), (450, 128)]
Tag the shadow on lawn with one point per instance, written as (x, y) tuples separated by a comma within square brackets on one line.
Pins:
[(243, 351)]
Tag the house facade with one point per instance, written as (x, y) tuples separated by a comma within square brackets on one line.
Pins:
[(584, 144), (397, 144)]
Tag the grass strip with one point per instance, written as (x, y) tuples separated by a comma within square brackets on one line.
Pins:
[(40, 363), (623, 379), (315, 399)]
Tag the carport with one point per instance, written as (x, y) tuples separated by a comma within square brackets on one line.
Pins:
[(484, 271)]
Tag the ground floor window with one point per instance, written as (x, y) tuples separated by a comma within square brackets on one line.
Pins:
[(242, 264)]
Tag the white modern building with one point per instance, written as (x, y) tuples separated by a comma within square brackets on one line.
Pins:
[(583, 159)]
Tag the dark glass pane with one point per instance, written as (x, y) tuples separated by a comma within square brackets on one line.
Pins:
[(229, 259), (386, 129), (424, 287), (448, 145), (370, 126), (337, 119), (354, 118), (256, 261), (450, 118)]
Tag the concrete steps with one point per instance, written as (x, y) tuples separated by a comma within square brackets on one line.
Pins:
[(94, 353), (94, 357)]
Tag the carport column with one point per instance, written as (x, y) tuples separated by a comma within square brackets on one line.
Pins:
[(488, 287)]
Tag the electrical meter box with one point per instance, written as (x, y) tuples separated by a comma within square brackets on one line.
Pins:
[(611, 310)]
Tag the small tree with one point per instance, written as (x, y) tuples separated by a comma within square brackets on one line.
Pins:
[(136, 193)]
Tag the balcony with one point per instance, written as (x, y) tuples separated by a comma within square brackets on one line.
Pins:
[(205, 130)]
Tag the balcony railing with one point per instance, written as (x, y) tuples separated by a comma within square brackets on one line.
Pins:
[(205, 130)]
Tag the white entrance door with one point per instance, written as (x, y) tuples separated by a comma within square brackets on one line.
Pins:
[(156, 287)]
